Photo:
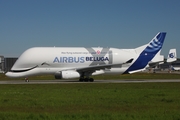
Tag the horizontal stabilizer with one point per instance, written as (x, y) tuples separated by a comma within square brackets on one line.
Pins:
[(135, 71)]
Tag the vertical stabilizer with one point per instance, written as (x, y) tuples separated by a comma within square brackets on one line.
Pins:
[(172, 56), (147, 52), (154, 46)]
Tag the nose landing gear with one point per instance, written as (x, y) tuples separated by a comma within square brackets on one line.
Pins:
[(26, 79)]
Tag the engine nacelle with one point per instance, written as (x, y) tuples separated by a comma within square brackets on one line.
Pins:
[(67, 75)]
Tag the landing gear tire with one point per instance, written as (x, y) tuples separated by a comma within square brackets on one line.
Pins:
[(91, 79), (81, 79), (86, 80)]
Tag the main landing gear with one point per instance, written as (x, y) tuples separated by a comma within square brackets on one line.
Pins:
[(86, 79)]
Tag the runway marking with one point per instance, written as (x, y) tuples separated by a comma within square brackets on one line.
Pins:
[(96, 81)]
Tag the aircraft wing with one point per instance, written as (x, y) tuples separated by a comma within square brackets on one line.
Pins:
[(158, 59), (100, 67), (154, 64)]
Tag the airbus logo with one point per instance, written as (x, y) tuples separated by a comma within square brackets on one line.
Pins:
[(171, 55), (69, 60), (78, 59), (97, 57)]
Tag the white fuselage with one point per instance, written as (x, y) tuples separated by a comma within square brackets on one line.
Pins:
[(49, 60)]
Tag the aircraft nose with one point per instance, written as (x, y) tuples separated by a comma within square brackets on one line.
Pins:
[(11, 75), (8, 74)]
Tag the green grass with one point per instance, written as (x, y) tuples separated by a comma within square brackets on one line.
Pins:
[(145, 101)]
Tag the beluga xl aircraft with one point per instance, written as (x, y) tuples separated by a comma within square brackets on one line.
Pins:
[(82, 62)]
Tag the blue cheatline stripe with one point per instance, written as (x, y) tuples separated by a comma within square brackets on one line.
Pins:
[(148, 53)]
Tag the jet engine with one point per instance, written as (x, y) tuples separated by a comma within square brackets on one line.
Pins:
[(67, 75)]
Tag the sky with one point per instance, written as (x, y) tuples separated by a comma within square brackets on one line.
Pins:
[(87, 23)]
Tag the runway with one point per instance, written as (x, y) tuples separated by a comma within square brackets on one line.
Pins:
[(95, 81)]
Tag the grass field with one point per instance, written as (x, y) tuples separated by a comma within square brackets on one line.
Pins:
[(145, 101), (131, 101)]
